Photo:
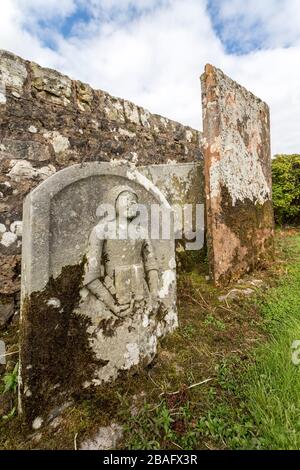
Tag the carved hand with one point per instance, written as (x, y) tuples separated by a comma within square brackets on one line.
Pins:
[(124, 310), (101, 293), (121, 310)]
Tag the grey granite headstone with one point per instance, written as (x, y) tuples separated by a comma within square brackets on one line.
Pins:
[(92, 306)]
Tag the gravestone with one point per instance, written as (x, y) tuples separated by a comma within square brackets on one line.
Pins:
[(94, 301), (238, 177)]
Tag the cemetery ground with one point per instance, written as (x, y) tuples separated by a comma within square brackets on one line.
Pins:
[(224, 380)]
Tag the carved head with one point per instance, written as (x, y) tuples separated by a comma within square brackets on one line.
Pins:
[(126, 205), (125, 200)]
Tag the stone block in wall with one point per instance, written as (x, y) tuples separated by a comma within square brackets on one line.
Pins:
[(113, 109), (10, 274), (7, 309), (51, 85), (145, 117), (23, 169), (59, 142), (5, 189), (238, 184), (25, 150), (84, 96), (13, 74), (132, 113), (161, 125)]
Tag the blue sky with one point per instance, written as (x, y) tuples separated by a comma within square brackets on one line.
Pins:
[(153, 51), (240, 42), (231, 32), (67, 25)]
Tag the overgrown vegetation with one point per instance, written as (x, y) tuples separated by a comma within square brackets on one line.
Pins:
[(273, 383), (266, 386), (286, 188), (254, 399), (10, 380), (223, 380)]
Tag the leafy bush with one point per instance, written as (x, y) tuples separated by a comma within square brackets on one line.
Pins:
[(286, 188)]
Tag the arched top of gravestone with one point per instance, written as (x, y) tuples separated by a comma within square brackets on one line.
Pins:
[(57, 182), (45, 204)]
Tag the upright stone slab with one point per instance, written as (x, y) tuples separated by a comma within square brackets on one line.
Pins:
[(92, 307), (238, 181)]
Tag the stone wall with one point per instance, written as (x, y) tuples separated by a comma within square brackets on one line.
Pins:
[(238, 180), (49, 122)]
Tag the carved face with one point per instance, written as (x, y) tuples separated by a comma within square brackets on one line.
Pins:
[(126, 205)]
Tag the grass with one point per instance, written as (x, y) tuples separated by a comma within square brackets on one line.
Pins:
[(223, 380), (267, 387), (273, 382), (10, 380)]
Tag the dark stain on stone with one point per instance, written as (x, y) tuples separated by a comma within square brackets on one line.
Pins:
[(253, 226), (242, 127), (55, 345), (109, 326)]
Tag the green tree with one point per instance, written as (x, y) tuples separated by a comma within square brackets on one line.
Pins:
[(286, 188)]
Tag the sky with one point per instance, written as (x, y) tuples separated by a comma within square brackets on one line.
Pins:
[(153, 52)]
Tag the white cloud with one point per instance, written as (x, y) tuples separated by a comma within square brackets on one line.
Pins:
[(275, 21), (155, 56), (48, 9), (15, 38)]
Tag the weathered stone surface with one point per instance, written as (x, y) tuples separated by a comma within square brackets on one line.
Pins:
[(84, 95), (8, 238), (103, 303), (51, 85), (237, 176), (25, 149), (9, 274), (114, 109), (6, 310), (180, 183), (49, 122), (13, 72), (24, 169), (59, 142), (132, 112), (106, 438)]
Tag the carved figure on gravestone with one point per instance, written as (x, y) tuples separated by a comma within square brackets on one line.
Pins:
[(122, 273)]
